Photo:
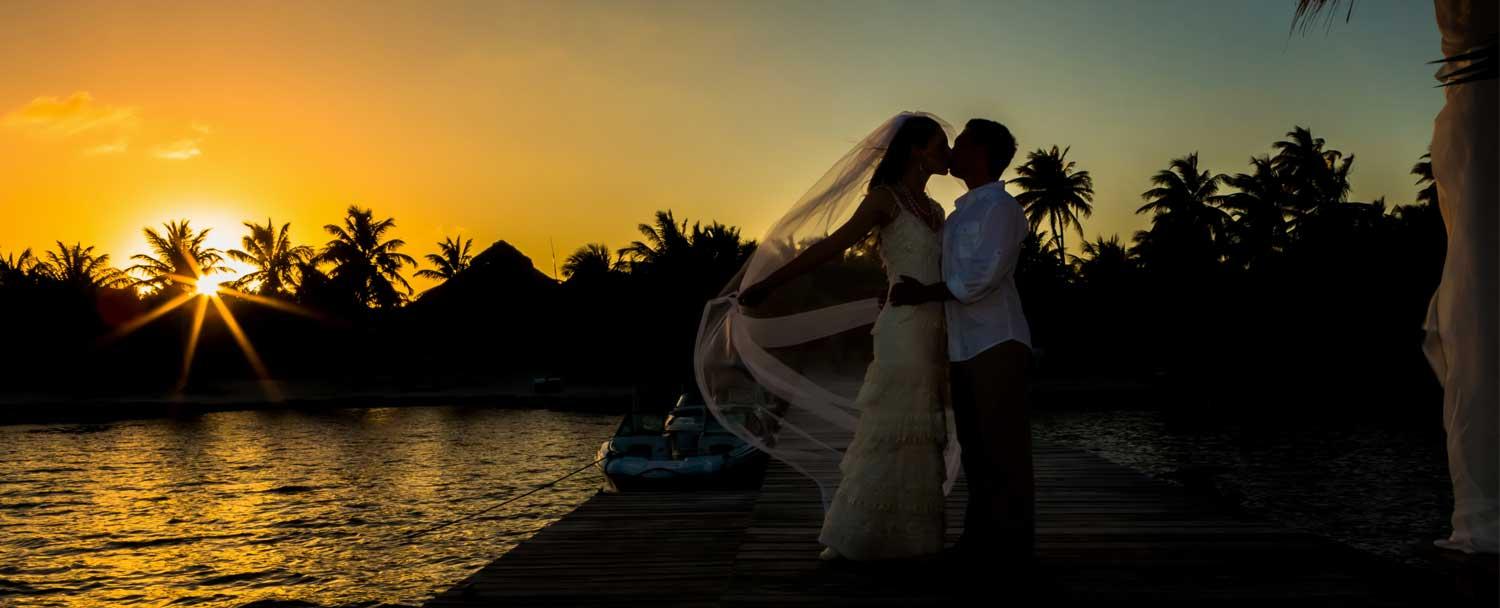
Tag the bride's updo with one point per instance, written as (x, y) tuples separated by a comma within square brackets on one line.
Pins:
[(915, 133)]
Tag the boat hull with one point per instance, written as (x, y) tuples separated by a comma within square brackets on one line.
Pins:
[(627, 473)]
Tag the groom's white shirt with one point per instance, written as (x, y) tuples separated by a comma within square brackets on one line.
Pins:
[(981, 243)]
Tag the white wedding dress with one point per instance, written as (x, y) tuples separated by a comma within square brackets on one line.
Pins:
[(848, 392), (889, 502)]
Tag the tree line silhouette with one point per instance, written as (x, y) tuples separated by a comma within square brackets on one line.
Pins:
[(1267, 286)]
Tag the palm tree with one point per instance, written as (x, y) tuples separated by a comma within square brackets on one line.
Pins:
[(1424, 219), (1103, 260), (590, 261), (1039, 266), (1316, 175), (22, 269), (274, 257), (1185, 194), (1317, 181), (1183, 190), (79, 267), (452, 258), (1259, 209), (665, 241), (719, 245), (179, 253), (363, 261), (1053, 190), (1423, 170), (1185, 223), (699, 254), (316, 290)]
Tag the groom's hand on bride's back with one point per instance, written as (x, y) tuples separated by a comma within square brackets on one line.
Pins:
[(907, 291)]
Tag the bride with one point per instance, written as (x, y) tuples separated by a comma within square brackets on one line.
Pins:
[(889, 496)]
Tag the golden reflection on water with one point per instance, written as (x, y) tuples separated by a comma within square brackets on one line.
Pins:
[(229, 508)]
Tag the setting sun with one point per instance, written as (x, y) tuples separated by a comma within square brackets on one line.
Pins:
[(207, 286)]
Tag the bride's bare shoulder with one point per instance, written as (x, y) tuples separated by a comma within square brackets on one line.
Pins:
[(880, 201), (881, 195)]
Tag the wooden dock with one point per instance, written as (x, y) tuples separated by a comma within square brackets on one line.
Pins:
[(1104, 533)]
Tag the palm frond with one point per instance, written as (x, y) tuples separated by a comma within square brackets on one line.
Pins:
[(1309, 10), (1483, 66)]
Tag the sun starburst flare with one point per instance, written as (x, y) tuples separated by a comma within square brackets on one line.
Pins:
[(207, 286), (206, 290)]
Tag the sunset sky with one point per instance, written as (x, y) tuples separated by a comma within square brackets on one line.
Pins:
[(575, 121)]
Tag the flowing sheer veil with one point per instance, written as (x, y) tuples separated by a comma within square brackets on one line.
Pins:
[(783, 376)]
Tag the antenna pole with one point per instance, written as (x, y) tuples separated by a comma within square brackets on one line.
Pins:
[(553, 247)]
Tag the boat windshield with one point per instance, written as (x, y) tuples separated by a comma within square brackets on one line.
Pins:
[(642, 424)]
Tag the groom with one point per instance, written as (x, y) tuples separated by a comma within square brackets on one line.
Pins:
[(989, 344)]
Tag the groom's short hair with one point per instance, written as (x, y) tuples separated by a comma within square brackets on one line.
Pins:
[(998, 143)]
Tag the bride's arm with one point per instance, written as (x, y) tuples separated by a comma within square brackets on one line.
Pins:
[(874, 211)]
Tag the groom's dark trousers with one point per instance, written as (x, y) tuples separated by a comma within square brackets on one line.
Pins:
[(990, 411)]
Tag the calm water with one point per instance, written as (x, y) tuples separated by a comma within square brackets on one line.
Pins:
[(236, 507), (1380, 486), (241, 507)]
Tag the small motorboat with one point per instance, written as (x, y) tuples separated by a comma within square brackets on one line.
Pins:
[(686, 448)]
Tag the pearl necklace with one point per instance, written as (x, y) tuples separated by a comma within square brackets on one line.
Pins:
[(926, 213)]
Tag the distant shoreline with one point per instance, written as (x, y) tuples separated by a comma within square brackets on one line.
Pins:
[(18, 409), (41, 408), (1067, 393)]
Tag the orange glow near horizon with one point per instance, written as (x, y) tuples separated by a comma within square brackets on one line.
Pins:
[(572, 123)]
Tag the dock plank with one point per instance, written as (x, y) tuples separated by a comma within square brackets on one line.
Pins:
[(1104, 533), (615, 549)]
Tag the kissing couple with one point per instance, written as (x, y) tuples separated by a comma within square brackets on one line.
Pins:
[(948, 350)]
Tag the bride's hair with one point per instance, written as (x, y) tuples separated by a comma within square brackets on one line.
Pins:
[(914, 133)]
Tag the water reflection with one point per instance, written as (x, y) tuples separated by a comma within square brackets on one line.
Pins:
[(1380, 486), (230, 508)]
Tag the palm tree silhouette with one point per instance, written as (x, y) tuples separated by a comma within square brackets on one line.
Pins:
[(698, 255), (1259, 210), (179, 255), (20, 269), (1103, 260), (1186, 224), (274, 257), (719, 245), (79, 267), (1423, 170), (665, 241), (452, 258), (366, 264), (1184, 190), (1186, 194), (590, 261), (1316, 175), (1054, 191), (316, 290)]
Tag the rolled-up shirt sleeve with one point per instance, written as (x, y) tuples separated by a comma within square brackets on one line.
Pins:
[(985, 252)]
